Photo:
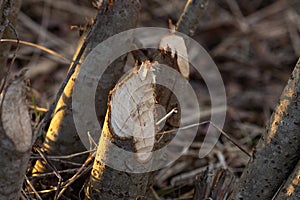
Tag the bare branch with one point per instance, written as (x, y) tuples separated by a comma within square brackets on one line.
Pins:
[(277, 152), (190, 18)]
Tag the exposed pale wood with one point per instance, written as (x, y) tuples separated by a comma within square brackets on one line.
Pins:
[(120, 130), (177, 46), (130, 126), (133, 110)]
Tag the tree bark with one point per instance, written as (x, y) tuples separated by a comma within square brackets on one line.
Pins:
[(15, 140), (291, 189), (189, 20), (8, 17), (61, 138), (277, 152)]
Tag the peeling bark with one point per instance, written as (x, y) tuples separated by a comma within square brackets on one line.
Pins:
[(15, 140), (61, 138), (277, 152)]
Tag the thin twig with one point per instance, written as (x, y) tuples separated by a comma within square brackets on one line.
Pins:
[(67, 162), (155, 195), (231, 140), (174, 110), (45, 49), (37, 108), (51, 174), (33, 189), (23, 196), (67, 156), (51, 165), (214, 125), (83, 169), (45, 191), (278, 190)]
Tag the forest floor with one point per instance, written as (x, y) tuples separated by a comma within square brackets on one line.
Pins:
[(255, 45)]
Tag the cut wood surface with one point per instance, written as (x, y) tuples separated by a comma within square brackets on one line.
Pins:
[(127, 138)]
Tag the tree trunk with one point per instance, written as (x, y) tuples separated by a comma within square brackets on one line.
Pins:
[(121, 132), (15, 140), (112, 18), (277, 152), (189, 20), (125, 161)]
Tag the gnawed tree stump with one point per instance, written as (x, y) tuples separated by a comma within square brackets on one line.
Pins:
[(131, 128), (15, 140)]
